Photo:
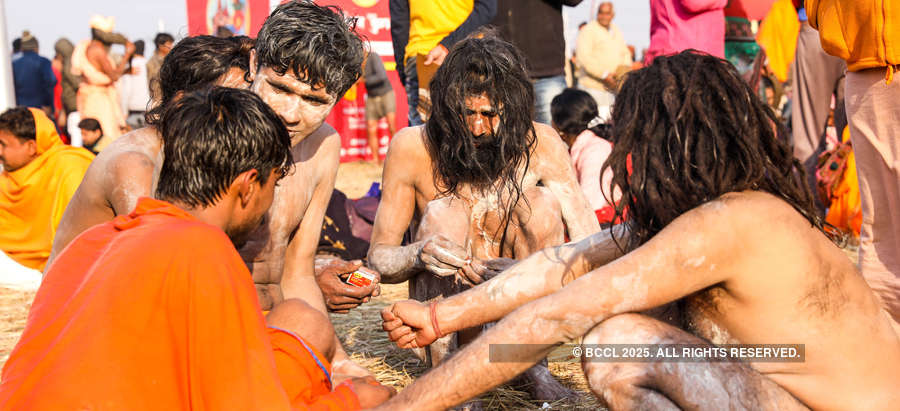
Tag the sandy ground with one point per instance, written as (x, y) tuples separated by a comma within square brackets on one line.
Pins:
[(359, 330)]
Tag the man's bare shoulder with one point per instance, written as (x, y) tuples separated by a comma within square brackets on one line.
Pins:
[(549, 149), (323, 145), (127, 166), (758, 223), (140, 147), (409, 141)]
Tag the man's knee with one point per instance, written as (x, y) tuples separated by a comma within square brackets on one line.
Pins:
[(628, 329), (617, 384), (300, 318)]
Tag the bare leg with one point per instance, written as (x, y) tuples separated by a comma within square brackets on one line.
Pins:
[(300, 318), (671, 385), (449, 217), (372, 131), (537, 224), (391, 118)]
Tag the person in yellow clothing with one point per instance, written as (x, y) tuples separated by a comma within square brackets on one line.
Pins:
[(429, 29), (867, 35), (777, 35), (40, 175)]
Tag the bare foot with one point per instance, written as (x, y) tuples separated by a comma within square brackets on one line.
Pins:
[(542, 385), (345, 369), (471, 405)]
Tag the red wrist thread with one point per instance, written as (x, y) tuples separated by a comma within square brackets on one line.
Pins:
[(434, 321)]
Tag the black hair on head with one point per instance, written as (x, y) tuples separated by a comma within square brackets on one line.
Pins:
[(573, 110), (481, 64), (212, 136), (196, 63), (19, 122), (693, 130), (318, 44), (162, 38), (89, 124)]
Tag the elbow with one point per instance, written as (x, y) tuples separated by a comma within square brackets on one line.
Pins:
[(387, 266)]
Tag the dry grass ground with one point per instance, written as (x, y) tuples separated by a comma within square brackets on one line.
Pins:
[(360, 330)]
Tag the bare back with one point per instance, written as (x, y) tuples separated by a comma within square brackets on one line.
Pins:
[(124, 171), (795, 286), (753, 278)]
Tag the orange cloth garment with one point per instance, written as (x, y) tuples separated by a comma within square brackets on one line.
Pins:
[(34, 197), (777, 35), (845, 211), (865, 33), (97, 97), (155, 310)]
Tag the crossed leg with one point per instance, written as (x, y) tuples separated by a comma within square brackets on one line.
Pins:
[(674, 385)]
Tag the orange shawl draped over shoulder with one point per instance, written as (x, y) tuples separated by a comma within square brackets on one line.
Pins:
[(34, 197), (155, 310)]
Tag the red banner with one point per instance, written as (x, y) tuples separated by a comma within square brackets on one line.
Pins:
[(349, 115), (241, 17)]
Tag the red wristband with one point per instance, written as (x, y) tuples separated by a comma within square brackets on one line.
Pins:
[(434, 321)]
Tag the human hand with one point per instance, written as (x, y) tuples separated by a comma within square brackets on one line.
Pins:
[(436, 55), (341, 297), (409, 324), (609, 81), (370, 392), (442, 256), (493, 267)]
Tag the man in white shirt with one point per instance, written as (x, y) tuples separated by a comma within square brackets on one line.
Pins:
[(133, 88), (600, 52)]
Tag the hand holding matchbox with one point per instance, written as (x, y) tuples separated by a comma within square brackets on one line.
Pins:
[(360, 278)]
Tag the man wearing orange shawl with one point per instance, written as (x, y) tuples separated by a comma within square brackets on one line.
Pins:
[(156, 310), (40, 175)]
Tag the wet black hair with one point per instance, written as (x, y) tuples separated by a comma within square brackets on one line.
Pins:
[(482, 64), (212, 136), (196, 63), (693, 130), (318, 44)]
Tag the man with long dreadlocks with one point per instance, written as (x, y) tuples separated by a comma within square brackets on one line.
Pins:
[(702, 170), (469, 178)]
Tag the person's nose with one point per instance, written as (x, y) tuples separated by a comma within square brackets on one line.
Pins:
[(478, 125)]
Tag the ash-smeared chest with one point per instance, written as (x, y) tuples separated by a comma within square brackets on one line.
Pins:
[(266, 247)]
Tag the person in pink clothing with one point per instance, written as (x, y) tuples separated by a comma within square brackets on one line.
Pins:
[(678, 25), (577, 120)]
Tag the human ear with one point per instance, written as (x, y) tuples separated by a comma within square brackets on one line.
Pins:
[(248, 186), (31, 146), (251, 75)]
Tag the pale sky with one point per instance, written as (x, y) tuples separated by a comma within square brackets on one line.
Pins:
[(49, 20)]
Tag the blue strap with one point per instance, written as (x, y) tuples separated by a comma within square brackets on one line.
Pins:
[(318, 362)]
